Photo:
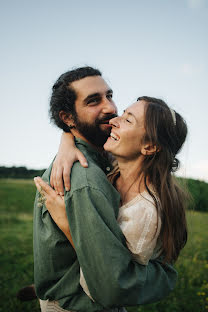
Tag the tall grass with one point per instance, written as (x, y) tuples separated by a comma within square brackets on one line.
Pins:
[(16, 250), (16, 258)]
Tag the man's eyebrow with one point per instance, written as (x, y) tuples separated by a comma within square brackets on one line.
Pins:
[(109, 91), (91, 96)]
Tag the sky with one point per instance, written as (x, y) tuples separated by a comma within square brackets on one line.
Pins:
[(143, 47)]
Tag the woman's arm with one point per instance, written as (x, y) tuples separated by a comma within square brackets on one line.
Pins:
[(55, 205), (68, 153)]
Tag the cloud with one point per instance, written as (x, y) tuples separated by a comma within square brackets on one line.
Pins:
[(191, 70), (197, 4), (187, 69), (198, 170)]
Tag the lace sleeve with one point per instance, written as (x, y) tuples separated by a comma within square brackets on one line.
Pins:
[(141, 226)]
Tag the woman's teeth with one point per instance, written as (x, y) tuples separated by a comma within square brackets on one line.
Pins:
[(114, 137)]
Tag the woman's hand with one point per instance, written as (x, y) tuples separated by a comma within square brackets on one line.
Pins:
[(67, 155), (55, 205)]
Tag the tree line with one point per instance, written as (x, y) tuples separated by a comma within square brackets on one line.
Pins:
[(197, 189), (19, 173), (199, 194)]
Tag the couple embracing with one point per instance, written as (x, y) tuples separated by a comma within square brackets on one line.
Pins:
[(111, 238)]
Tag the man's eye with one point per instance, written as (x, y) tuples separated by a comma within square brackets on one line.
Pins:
[(93, 101), (109, 96), (128, 120)]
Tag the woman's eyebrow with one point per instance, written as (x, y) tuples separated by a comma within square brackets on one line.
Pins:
[(130, 114)]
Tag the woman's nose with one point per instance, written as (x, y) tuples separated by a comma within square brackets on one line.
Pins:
[(114, 122)]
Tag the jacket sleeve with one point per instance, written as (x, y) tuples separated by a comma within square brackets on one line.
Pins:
[(112, 276)]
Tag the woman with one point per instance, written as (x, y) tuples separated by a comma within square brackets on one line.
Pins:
[(144, 141)]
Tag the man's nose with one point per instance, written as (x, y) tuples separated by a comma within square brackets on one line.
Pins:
[(109, 107)]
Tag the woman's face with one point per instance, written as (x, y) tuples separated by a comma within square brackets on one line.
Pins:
[(127, 132)]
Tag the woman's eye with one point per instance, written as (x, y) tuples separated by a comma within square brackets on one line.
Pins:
[(128, 120)]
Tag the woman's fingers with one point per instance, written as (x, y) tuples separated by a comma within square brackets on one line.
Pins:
[(81, 158), (53, 173), (66, 177), (58, 181), (68, 166), (40, 190), (43, 187), (61, 170)]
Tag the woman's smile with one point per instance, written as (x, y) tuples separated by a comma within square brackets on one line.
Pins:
[(114, 136)]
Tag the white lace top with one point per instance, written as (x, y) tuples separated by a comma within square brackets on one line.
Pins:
[(141, 225)]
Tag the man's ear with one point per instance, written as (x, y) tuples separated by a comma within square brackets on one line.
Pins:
[(149, 149), (67, 119)]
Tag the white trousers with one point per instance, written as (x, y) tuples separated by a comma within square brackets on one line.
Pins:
[(52, 306)]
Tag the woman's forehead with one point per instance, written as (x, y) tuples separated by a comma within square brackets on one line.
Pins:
[(137, 109)]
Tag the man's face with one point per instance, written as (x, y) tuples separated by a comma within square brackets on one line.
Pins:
[(94, 108)]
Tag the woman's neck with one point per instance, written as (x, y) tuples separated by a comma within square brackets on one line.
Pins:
[(130, 181)]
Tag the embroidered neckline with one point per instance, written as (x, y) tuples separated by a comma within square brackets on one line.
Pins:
[(137, 198)]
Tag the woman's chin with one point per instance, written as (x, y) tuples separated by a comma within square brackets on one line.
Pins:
[(108, 146)]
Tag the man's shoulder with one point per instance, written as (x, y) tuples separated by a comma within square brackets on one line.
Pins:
[(47, 173), (92, 176), (90, 185), (81, 177)]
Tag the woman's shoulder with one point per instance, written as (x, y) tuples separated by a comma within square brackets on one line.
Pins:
[(141, 206)]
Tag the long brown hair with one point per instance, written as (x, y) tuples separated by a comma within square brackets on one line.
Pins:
[(167, 130)]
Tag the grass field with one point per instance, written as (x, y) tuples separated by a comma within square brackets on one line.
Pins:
[(16, 259)]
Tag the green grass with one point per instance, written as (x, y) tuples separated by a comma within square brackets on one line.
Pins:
[(16, 250), (191, 291), (16, 259)]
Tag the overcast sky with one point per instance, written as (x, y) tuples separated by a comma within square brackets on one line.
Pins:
[(143, 47)]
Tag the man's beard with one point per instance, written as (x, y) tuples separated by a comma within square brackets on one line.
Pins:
[(92, 132)]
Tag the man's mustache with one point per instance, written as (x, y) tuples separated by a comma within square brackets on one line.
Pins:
[(107, 118)]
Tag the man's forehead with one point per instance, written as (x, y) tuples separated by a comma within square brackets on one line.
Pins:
[(90, 85)]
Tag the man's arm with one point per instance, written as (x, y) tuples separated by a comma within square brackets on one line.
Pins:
[(113, 277)]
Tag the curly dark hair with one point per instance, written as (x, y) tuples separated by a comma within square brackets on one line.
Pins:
[(64, 96)]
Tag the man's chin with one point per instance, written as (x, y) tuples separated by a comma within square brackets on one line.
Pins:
[(100, 139), (95, 134), (106, 128)]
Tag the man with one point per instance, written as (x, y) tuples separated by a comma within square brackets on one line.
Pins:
[(82, 103)]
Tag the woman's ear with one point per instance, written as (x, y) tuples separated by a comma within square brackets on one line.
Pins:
[(149, 149), (67, 119)]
